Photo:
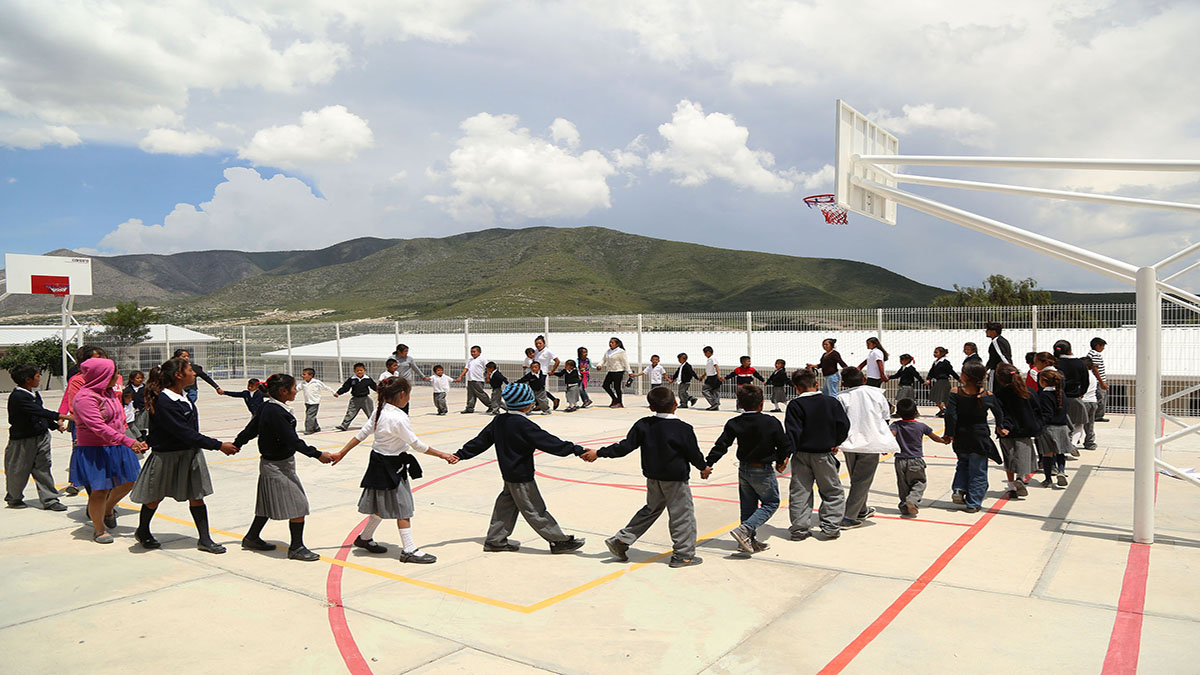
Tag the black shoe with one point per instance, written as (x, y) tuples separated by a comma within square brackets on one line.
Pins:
[(831, 534), (302, 553), (555, 403), (759, 546), (801, 536), (55, 506), (1062, 480), (1011, 494), (617, 548), (957, 497), (71, 490), (940, 413), (210, 547), (418, 558), (466, 412), (679, 561), (1102, 419), (110, 521), (568, 545), (695, 400), (257, 544), (508, 545), (147, 540), (715, 407), (370, 545), (340, 428), (869, 513), (972, 509), (19, 504), (848, 524), (587, 404)]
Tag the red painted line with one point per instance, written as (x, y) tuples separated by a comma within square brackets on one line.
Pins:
[(889, 615), (1126, 642)]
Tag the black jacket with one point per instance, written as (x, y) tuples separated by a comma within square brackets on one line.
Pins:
[(1075, 374), (760, 439), (201, 375), (816, 423), (684, 373), (974, 357), (535, 382), (497, 380), (779, 378), (138, 396), (175, 426), (253, 400), (1048, 409), (994, 357), (908, 376), (358, 387), (27, 418), (569, 376), (941, 370), (516, 438), (275, 428), (1021, 418), (668, 446), (966, 423)]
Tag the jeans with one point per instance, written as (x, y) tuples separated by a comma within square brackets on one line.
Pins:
[(970, 478), (758, 489), (831, 383)]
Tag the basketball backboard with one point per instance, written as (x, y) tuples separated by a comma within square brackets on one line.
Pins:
[(47, 275), (857, 135)]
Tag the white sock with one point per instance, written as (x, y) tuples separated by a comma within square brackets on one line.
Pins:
[(406, 540), (1012, 485), (368, 532)]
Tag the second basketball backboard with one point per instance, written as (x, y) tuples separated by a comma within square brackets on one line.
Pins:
[(858, 135), (47, 275)]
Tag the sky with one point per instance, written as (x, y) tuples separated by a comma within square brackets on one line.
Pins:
[(166, 126)]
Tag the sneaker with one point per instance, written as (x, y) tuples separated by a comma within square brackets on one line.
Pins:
[(257, 544), (759, 546), (1062, 480), (869, 513), (55, 506), (776, 410), (1089, 447), (417, 557), (617, 548), (1074, 451), (957, 497), (340, 428), (71, 490), (801, 536), (1022, 489), (848, 524), (680, 561), (210, 547), (971, 509), (742, 535), (466, 412), (369, 545), (508, 545), (940, 413), (1102, 419), (19, 504), (545, 412), (713, 407), (303, 554), (443, 412), (567, 546), (587, 404)]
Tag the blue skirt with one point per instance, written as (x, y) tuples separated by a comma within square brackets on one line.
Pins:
[(103, 467)]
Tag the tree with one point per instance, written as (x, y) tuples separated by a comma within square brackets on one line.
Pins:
[(126, 326), (46, 354), (996, 291)]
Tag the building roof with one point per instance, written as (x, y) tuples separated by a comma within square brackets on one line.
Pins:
[(159, 332)]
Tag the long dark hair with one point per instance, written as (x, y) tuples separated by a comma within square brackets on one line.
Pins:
[(162, 377), (620, 345), (579, 354), (878, 345), (389, 389), (1009, 377), (1052, 378), (975, 373)]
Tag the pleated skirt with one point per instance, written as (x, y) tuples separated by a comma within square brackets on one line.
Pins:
[(280, 494), (1018, 454), (180, 475), (388, 504), (939, 391), (103, 467), (1055, 439)]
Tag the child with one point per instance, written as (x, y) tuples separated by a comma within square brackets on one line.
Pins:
[(497, 380), (711, 389), (441, 387), (516, 439), (1055, 438), (571, 379), (139, 425), (939, 379), (816, 424), (391, 368), (967, 430), (311, 386), (476, 373), (1090, 401), (909, 378), (910, 460), (656, 374), (972, 353), (778, 381), (668, 446), (252, 396), (28, 450), (744, 374), (872, 366), (280, 494), (762, 446), (868, 410), (1023, 426), (386, 491), (1041, 361), (683, 377), (529, 353), (1096, 355), (536, 380), (176, 466), (359, 387), (585, 372)]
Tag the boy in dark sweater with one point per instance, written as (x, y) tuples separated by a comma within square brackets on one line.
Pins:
[(763, 449), (816, 424), (28, 451), (571, 379), (252, 396), (360, 387), (536, 380), (779, 383), (516, 439), (668, 448), (683, 377), (496, 380)]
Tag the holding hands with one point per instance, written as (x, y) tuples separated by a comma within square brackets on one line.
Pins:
[(589, 456), (706, 472), (139, 447), (229, 448), (781, 467), (326, 458), (450, 458)]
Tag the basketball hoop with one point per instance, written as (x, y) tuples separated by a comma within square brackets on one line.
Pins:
[(834, 214), (58, 291)]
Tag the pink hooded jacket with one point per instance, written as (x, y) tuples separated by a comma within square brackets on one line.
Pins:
[(99, 418), (73, 385)]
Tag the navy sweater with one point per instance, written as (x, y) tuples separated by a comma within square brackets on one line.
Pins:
[(516, 438), (1019, 414), (26, 416), (760, 439), (253, 401), (535, 382), (779, 378), (1048, 409), (275, 428), (908, 376), (941, 370), (357, 386), (684, 373), (497, 380), (175, 426), (668, 446), (816, 423)]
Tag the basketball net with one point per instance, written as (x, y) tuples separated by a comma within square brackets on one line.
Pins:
[(834, 214)]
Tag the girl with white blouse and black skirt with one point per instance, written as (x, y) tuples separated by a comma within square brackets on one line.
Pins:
[(280, 494), (386, 489)]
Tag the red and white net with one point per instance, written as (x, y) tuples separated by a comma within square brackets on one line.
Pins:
[(834, 214)]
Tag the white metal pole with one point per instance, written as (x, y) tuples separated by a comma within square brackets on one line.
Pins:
[(289, 339), (167, 338), (467, 338), (879, 323), (1178, 255), (1183, 271), (337, 327), (1147, 391), (1034, 162), (640, 365), (245, 365), (546, 327), (749, 342), (1033, 322), (63, 341)]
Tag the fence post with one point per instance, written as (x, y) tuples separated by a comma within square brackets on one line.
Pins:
[(467, 338), (1147, 392), (395, 334), (245, 368), (749, 343), (879, 323), (167, 338), (546, 326), (289, 339), (337, 327), (1033, 324), (640, 366)]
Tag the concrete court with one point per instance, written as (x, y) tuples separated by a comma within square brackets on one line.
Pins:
[(1035, 581)]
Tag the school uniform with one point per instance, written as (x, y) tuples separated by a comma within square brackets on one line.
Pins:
[(386, 489), (966, 421), (252, 399), (140, 424), (711, 389), (571, 380), (874, 370), (1076, 377), (516, 438), (1090, 403), (280, 494), (176, 467), (999, 351), (816, 424), (1054, 442), (779, 383), (908, 378), (939, 380), (388, 374), (909, 461), (441, 387), (973, 358), (1023, 426), (656, 375), (28, 450), (683, 377), (762, 444), (497, 382), (360, 389), (547, 359), (868, 411), (476, 374), (312, 402), (538, 384), (669, 449)]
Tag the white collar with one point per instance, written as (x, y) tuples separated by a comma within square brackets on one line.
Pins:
[(386, 406), (25, 390), (810, 393), (175, 397), (136, 387), (939, 359), (751, 412), (666, 416), (277, 402)]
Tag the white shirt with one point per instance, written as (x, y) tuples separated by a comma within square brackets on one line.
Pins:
[(875, 365), (710, 367), (525, 366), (130, 413), (393, 433), (546, 358), (441, 383), (385, 375), (180, 397), (1089, 396), (868, 410), (312, 390), (655, 373), (477, 369)]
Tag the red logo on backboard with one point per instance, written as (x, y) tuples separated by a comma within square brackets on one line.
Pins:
[(47, 284)]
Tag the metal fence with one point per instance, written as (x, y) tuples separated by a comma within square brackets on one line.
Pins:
[(794, 336)]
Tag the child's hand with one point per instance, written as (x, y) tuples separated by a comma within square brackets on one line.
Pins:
[(1002, 432), (229, 448), (589, 456), (835, 450), (451, 459), (337, 457), (139, 447), (706, 472), (947, 439), (781, 467), (325, 458), (62, 427)]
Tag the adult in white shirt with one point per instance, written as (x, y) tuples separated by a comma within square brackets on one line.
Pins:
[(616, 366), (869, 437), (549, 362), (476, 373), (872, 367)]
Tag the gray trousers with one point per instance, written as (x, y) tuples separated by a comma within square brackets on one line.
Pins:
[(25, 457), (684, 397), (1101, 402), (1076, 412), (140, 425), (676, 497), (310, 418), (779, 394), (542, 400), (497, 399), (711, 394), (475, 391), (573, 395), (439, 402), (861, 466), (820, 468), (906, 392), (356, 404), (910, 479), (523, 498), (1089, 425)]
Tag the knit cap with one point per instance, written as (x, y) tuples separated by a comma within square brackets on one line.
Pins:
[(517, 395)]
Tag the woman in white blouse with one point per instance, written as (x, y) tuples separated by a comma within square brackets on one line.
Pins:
[(616, 367)]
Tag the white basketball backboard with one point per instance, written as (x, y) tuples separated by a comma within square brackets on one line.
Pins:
[(857, 135), (47, 275)]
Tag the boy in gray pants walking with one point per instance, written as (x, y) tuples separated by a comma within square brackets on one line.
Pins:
[(817, 425), (360, 387)]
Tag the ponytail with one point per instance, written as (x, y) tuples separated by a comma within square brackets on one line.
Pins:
[(1008, 377), (278, 383), (879, 346), (388, 390), (166, 378), (1052, 378), (153, 387)]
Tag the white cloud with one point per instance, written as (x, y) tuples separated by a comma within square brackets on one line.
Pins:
[(501, 169), (247, 212), (378, 20), (329, 134), (969, 127), (173, 142), (701, 147), (564, 131), (11, 180), (32, 139), (821, 179)]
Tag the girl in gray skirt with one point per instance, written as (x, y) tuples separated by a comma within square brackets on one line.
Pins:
[(280, 494), (1055, 439), (386, 490), (176, 467)]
